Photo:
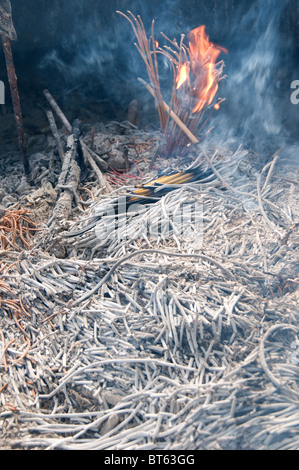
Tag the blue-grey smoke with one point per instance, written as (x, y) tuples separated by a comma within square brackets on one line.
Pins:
[(252, 89), (253, 113)]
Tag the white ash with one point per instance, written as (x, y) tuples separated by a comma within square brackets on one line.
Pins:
[(171, 352)]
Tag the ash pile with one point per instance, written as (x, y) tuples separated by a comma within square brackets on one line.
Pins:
[(172, 325)]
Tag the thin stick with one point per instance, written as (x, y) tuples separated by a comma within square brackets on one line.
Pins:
[(24, 353), (176, 119), (102, 180), (58, 111), (4, 387), (270, 224), (272, 164), (54, 130), (187, 131), (13, 83), (149, 251), (209, 161), (4, 350), (263, 362), (289, 180)]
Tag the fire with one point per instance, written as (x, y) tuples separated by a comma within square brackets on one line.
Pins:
[(182, 75), (196, 74), (201, 70)]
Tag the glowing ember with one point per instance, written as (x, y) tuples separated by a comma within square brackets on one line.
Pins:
[(201, 70)]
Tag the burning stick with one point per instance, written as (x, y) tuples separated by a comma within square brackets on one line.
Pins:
[(8, 33), (188, 133)]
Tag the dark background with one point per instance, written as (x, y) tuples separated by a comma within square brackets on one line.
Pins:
[(68, 43), (46, 24)]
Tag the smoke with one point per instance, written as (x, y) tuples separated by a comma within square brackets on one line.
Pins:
[(102, 53), (252, 89)]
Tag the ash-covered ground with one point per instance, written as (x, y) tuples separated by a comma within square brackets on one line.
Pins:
[(181, 338)]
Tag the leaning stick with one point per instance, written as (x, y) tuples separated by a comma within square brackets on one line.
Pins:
[(271, 165), (68, 181), (58, 111), (88, 154), (187, 131), (102, 180), (54, 130), (13, 83), (176, 119)]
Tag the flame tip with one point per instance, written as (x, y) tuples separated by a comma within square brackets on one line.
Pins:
[(200, 70)]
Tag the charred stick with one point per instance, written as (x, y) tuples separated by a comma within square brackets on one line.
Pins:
[(88, 154), (91, 162), (132, 112), (13, 83), (157, 154), (103, 165), (54, 130), (92, 136), (68, 181), (126, 157)]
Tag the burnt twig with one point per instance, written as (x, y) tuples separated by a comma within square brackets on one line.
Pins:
[(68, 181), (54, 130), (12, 78), (89, 156), (58, 111)]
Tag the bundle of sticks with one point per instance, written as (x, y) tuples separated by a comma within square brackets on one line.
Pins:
[(196, 74)]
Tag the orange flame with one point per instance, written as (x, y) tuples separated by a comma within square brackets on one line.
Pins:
[(201, 70), (182, 75)]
